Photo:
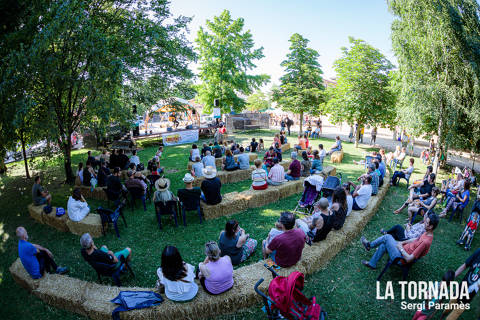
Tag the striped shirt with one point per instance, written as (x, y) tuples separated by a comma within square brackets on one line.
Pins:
[(259, 177), (277, 173)]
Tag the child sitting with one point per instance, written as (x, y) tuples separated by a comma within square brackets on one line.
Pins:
[(467, 235), (271, 235), (261, 145)]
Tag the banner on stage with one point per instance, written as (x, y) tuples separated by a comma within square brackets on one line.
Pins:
[(180, 137)]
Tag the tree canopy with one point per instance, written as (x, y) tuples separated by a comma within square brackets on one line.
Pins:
[(362, 93), (226, 55), (258, 101), (301, 90)]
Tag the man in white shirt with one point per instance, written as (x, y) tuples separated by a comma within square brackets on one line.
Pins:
[(208, 160), (362, 193), (134, 158)]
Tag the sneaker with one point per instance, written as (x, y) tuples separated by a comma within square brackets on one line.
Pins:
[(61, 270), (460, 242), (308, 240), (365, 243), (367, 264)]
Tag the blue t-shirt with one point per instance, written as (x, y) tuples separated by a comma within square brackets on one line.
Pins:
[(27, 253), (244, 161), (382, 168)]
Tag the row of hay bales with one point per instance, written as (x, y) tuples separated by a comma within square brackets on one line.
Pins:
[(234, 202), (92, 223), (93, 300), (219, 161)]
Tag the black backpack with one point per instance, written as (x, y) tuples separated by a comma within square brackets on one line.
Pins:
[(140, 167)]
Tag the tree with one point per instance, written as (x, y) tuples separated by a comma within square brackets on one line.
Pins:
[(438, 49), (87, 58), (258, 101), (301, 88), (362, 93), (226, 54)]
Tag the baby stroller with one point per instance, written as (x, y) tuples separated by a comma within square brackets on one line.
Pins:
[(471, 226), (286, 300), (309, 196), (331, 183)]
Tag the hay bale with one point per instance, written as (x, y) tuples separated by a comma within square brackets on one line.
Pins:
[(252, 157), (260, 198), (62, 292), (285, 147), (22, 277), (36, 212), (285, 164), (231, 203), (329, 171), (289, 188), (92, 224), (97, 193), (337, 156), (218, 162), (198, 181), (59, 223)]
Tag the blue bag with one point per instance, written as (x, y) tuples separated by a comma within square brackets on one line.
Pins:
[(129, 300)]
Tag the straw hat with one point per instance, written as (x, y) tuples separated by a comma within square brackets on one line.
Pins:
[(209, 172), (188, 178), (162, 184)]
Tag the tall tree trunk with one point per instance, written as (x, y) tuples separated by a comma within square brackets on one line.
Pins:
[(24, 153), (301, 123), (357, 135), (441, 140), (67, 159)]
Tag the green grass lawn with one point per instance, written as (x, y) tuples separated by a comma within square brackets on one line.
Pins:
[(344, 287)]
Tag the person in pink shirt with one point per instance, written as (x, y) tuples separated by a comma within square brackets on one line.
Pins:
[(216, 273), (276, 176)]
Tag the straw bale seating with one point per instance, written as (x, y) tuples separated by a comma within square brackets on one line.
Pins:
[(93, 300), (91, 223), (219, 161), (285, 147), (337, 156)]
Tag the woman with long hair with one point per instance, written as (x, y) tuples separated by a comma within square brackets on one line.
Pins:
[(339, 208), (229, 163), (237, 244), (176, 276)]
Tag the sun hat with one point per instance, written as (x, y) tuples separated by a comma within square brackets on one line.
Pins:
[(209, 172), (162, 184), (188, 178)]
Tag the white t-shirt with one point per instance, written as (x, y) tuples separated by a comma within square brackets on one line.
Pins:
[(135, 159), (180, 290), (409, 172), (364, 194), (77, 210), (208, 161), (349, 204), (197, 168), (195, 154), (322, 153)]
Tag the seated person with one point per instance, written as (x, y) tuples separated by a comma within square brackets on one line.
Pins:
[(337, 146), (362, 193), (269, 156), (189, 196), (454, 186), (276, 140), (402, 174), (302, 143), (133, 183), (35, 258), (309, 153), (243, 159), (208, 160), (229, 163), (259, 176), (253, 145), (278, 152), (306, 165), (114, 185), (283, 138), (94, 255), (349, 198), (470, 228), (261, 145), (77, 207), (197, 168), (393, 155), (114, 160), (372, 173), (134, 158), (460, 201), (105, 157), (234, 242), (158, 156), (103, 173), (194, 153), (410, 231), (409, 250), (321, 152), (422, 206), (276, 231), (319, 208), (295, 168), (317, 164), (79, 173), (163, 193), (40, 195), (123, 160), (307, 143), (205, 149), (381, 169), (316, 133), (339, 208), (176, 276), (286, 249), (276, 175), (400, 157), (419, 191), (215, 272), (211, 186), (88, 175), (91, 159), (217, 150), (308, 132)]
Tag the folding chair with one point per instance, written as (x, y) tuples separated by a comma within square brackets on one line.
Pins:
[(110, 216), (108, 270), (195, 207), (167, 208), (399, 262), (137, 193)]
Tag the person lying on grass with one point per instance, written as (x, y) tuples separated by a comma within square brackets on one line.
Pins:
[(35, 258), (215, 272), (286, 249), (420, 191), (236, 243), (409, 250), (175, 276)]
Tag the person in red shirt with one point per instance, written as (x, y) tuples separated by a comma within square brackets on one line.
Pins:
[(286, 248), (295, 168), (409, 250)]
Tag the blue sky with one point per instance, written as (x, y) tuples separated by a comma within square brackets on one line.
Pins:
[(327, 24)]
